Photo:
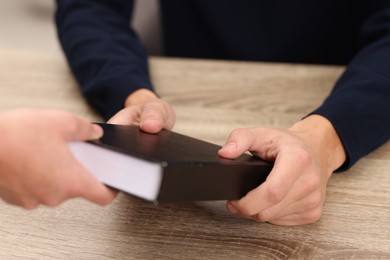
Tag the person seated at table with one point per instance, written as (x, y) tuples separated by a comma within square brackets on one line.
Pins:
[(111, 66), (36, 165)]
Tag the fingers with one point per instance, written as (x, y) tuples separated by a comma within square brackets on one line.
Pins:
[(54, 122), (303, 197), (288, 190), (294, 210), (291, 217), (299, 219), (79, 182), (304, 211), (84, 130), (260, 141), (279, 181), (83, 184), (156, 116), (99, 194), (77, 129), (40, 168), (310, 207), (293, 192), (151, 116), (126, 116), (238, 142), (24, 201)]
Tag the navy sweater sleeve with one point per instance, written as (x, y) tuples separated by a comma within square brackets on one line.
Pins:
[(103, 51), (110, 63), (359, 105)]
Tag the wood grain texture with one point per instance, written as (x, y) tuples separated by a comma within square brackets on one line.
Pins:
[(210, 99)]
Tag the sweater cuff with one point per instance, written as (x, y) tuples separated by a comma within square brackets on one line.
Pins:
[(338, 119), (113, 93)]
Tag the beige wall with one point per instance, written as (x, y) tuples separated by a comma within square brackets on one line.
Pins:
[(146, 21), (28, 25)]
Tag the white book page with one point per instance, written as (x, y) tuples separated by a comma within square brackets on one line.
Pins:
[(132, 175)]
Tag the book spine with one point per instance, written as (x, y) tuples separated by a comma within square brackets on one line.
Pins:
[(210, 181)]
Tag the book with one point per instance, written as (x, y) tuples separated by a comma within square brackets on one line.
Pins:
[(167, 166)]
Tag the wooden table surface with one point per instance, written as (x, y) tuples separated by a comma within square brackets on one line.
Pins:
[(210, 99)]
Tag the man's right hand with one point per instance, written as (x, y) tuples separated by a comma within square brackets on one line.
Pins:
[(145, 109)]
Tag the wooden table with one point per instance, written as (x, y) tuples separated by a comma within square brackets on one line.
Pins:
[(210, 99)]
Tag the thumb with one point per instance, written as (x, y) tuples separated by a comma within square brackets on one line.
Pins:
[(238, 142), (98, 193), (81, 130), (96, 132), (90, 188)]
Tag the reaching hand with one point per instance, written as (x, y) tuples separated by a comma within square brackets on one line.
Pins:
[(143, 107), (36, 165), (305, 157)]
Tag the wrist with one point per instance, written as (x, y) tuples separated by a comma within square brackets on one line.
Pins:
[(319, 131), (140, 96)]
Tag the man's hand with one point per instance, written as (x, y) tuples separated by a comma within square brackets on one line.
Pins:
[(36, 164), (305, 156), (148, 111)]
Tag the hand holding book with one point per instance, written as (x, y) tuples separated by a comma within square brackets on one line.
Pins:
[(168, 166)]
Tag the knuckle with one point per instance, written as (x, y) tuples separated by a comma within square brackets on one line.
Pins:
[(275, 194), (68, 117), (312, 184), (70, 121), (73, 123), (50, 202), (304, 158), (314, 203), (105, 201), (26, 201), (262, 216), (73, 190), (238, 134), (244, 209), (247, 212), (314, 215), (28, 205)]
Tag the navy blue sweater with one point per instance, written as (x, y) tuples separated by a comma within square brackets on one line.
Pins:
[(109, 62)]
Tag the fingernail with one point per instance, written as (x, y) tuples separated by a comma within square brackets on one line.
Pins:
[(97, 132), (231, 208), (151, 125), (230, 145)]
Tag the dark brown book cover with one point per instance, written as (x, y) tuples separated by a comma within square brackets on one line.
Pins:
[(188, 169)]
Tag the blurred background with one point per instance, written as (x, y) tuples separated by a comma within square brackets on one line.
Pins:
[(29, 25)]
